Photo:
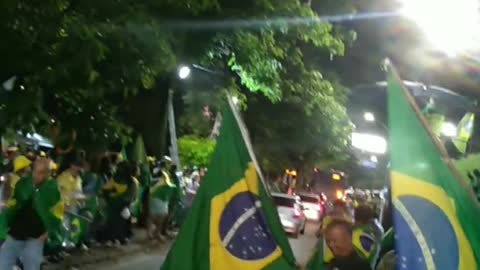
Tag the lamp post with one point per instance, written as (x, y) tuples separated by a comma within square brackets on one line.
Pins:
[(183, 73), (173, 132)]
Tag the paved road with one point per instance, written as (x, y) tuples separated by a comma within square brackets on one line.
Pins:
[(302, 248)]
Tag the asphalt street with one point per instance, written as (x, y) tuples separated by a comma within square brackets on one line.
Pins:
[(151, 260)]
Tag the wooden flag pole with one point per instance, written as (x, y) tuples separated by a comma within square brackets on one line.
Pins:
[(246, 139)]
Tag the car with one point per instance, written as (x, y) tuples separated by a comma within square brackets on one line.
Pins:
[(289, 209), (313, 206)]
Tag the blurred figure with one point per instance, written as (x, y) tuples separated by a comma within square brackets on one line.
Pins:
[(340, 210), (388, 261), (70, 183), (33, 214), (191, 188), (10, 154), (21, 168), (338, 235), (366, 238), (160, 196), (119, 193), (176, 203)]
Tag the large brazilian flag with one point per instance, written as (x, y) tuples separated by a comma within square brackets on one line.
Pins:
[(436, 218), (233, 224)]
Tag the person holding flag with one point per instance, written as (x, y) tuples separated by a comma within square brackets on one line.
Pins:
[(160, 196), (233, 223), (33, 214)]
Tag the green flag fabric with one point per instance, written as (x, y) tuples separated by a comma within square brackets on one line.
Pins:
[(139, 154), (233, 224), (316, 260), (436, 218)]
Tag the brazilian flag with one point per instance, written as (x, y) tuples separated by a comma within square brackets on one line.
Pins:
[(316, 261), (233, 223), (436, 218)]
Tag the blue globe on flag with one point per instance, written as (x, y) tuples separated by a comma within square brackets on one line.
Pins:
[(243, 228)]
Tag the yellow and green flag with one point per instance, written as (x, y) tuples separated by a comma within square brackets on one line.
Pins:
[(464, 132), (436, 218), (233, 224)]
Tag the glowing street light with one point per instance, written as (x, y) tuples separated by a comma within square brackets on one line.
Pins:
[(235, 100), (184, 72), (374, 159), (369, 117), (369, 143), (450, 25), (449, 129)]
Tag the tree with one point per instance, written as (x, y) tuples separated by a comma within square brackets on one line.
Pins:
[(285, 136), (79, 64), (195, 151)]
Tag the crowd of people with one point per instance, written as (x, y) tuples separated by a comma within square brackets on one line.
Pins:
[(353, 238), (50, 205)]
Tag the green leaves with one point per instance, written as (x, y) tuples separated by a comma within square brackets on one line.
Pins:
[(195, 151), (81, 61)]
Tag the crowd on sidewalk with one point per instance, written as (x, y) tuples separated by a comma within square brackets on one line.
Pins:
[(50, 205)]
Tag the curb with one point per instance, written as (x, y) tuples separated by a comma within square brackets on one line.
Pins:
[(78, 260)]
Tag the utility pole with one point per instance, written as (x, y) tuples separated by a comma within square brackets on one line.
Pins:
[(173, 132)]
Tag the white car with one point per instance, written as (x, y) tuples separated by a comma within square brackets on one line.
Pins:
[(312, 206), (290, 211)]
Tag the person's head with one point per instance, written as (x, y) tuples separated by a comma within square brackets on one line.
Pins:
[(340, 208), (104, 167), (76, 167), (11, 152), (31, 155), (123, 173), (135, 170), (363, 214), (338, 236), (162, 165), (21, 165), (41, 170)]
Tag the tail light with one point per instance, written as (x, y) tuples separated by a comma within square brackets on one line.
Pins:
[(296, 212), (339, 194)]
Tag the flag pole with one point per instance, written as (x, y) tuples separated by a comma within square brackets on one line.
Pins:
[(246, 139), (440, 147)]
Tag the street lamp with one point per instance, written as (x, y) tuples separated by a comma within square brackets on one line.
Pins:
[(184, 72), (369, 117), (449, 129), (450, 25), (369, 143)]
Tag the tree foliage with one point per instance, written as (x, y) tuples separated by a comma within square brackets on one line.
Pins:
[(78, 63), (195, 151)]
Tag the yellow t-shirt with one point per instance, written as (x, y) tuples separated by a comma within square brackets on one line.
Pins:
[(69, 185), (13, 179)]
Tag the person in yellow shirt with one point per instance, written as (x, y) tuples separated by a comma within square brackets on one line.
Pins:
[(21, 168), (70, 186), (70, 183)]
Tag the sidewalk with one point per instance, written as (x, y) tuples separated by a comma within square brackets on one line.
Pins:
[(96, 255)]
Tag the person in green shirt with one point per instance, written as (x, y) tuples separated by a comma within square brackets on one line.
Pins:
[(33, 215), (160, 196), (119, 193)]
